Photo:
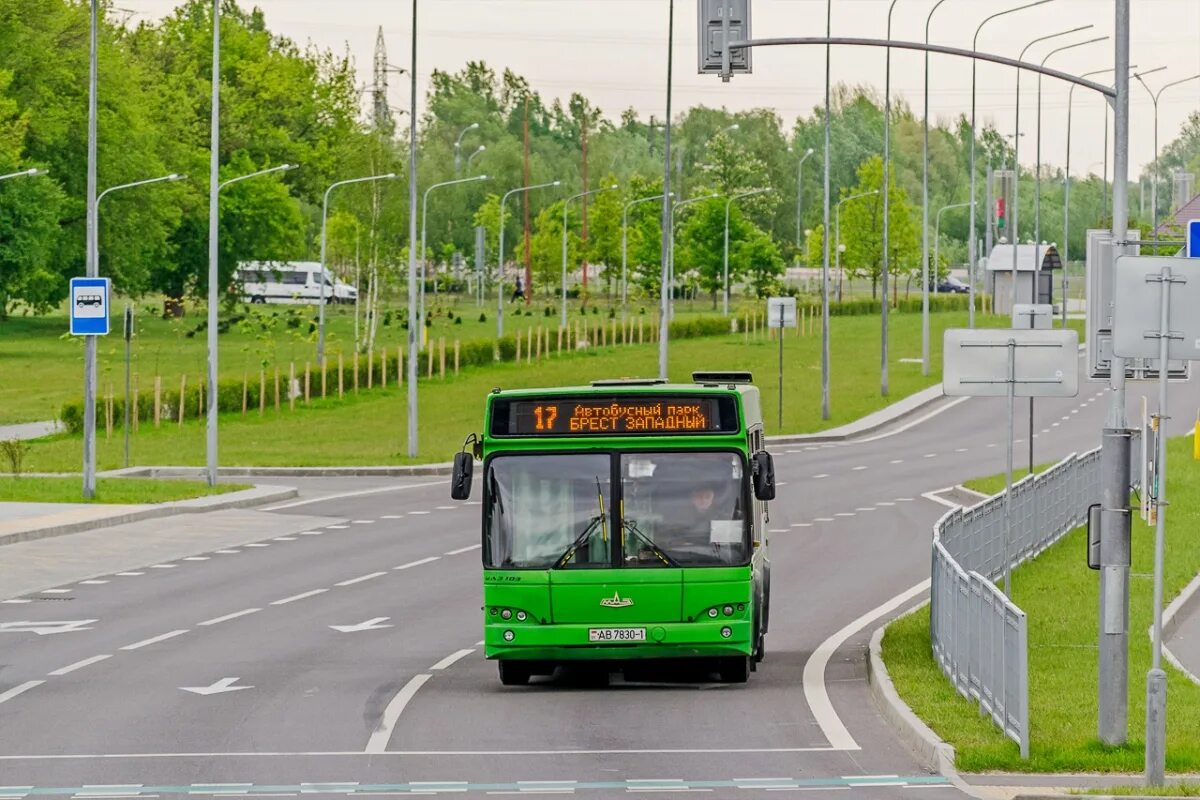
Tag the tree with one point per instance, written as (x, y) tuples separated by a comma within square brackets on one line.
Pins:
[(758, 258), (862, 227), (604, 232)]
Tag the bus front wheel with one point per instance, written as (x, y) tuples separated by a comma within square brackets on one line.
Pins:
[(735, 669), (514, 673)]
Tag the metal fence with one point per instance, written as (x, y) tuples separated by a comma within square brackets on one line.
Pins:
[(980, 639)]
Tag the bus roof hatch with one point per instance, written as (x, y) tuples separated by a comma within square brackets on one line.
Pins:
[(710, 378)]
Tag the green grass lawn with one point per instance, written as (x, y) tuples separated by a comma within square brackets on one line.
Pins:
[(369, 428), (994, 484), (41, 367), (120, 491), (1060, 596), (1171, 790)]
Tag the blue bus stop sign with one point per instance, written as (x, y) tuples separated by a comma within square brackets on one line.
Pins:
[(1193, 238), (89, 306)]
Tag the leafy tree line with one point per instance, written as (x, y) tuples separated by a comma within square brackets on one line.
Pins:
[(285, 103)]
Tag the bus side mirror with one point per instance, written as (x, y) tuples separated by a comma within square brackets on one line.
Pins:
[(764, 475), (464, 468), (1093, 536)]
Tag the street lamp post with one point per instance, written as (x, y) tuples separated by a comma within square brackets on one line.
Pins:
[(26, 173), (89, 432), (1037, 194), (424, 213), (566, 206), (92, 267), (1154, 98), (321, 280), (800, 194), (664, 326), (671, 277), (411, 397), (925, 206), (887, 165), (937, 229), (500, 258), (725, 279), (971, 246), (471, 157), (458, 144), (1015, 238), (825, 365), (211, 459), (214, 271), (825, 222), (625, 246)]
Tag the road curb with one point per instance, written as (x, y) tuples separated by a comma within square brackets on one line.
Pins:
[(1060, 795), (873, 422), (248, 498), (1182, 603), (931, 752)]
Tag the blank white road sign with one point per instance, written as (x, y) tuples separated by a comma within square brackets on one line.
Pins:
[(781, 308), (1030, 315), (1137, 307), (976, 362)]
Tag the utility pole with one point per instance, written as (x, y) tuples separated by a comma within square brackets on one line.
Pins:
[(664, 322), (93, 271), (525, 209), (1113, 690), (584, 231)]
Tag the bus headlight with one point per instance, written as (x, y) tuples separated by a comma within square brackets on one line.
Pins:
[(521, 616), (712, 612), (726, 632), (729, 611), (509, 635), (506, 613)]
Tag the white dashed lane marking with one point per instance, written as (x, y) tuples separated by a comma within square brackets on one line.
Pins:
[(257, 544), (164, 566), (337, 527), (417, 563), (363, 522), (218, 620), (823, 519), (844, 514), (462, 550), (801, 524), (819, 477), (197, 558), (896, 461), (361, 579), (392, 516), (777, 530), (130, 574), (95, 582), (87, 662), (301, 596), (227, 552), (930, 455), (858, 469), (56, 591), (418, 512), (154, 640)]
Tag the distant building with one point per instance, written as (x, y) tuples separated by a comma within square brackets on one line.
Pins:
[(1000, 274), (1175, 224)]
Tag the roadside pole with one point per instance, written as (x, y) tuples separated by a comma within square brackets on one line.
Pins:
[(92, 271), (1113, 686), (781, 315), (128, 339)]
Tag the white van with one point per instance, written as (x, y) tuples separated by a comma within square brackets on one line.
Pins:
[(290, 282)]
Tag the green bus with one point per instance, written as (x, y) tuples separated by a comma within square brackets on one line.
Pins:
[(624, 521)]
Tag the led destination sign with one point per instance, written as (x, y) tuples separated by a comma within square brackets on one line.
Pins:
[(594, 416)]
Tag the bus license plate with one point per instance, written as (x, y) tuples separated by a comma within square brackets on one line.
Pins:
[(616, 634)]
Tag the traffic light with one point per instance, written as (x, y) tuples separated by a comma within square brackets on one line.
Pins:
[(1001, 219), (711, 38)]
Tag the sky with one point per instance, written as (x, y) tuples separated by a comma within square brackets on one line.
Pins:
[(614, 52)]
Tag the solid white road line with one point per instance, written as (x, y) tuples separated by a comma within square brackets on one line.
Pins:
[(357, 754), (815, 692), (417, 563), (383, 733), (92, 583), (913, 424), (360, 579), (87, 662), (164, 566), (154, 640), (450, 659), (227, 552), (462, 550), (218, 620), (16, 690), (295, 597), (940, 500), (359, 493)]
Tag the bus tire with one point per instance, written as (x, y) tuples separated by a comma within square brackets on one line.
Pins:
[(734, 669), (514, 673), (760, 647)]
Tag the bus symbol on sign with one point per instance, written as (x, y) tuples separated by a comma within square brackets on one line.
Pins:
[(89, 306)]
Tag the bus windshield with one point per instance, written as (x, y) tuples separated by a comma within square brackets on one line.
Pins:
[(673, 509)]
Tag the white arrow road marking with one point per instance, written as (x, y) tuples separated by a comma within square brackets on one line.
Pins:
[(220, 687), (47, 628), (369, 625)]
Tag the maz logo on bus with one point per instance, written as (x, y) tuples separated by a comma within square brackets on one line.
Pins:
[(616, 601)]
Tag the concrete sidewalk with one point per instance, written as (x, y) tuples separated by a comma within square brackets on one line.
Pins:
[(28, 430)]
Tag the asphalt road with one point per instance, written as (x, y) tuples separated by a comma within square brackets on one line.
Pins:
[(339, 652)]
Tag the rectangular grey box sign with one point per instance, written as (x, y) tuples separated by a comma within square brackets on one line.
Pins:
[(1137, 308), (975, 363), (711, 35), (1029, 315), (781, 312)]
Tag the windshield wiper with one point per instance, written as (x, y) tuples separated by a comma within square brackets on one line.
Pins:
[(581, 539), (632, 527), (579, 542)]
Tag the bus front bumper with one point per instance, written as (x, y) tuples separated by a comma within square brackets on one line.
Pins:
[(571, 642)]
